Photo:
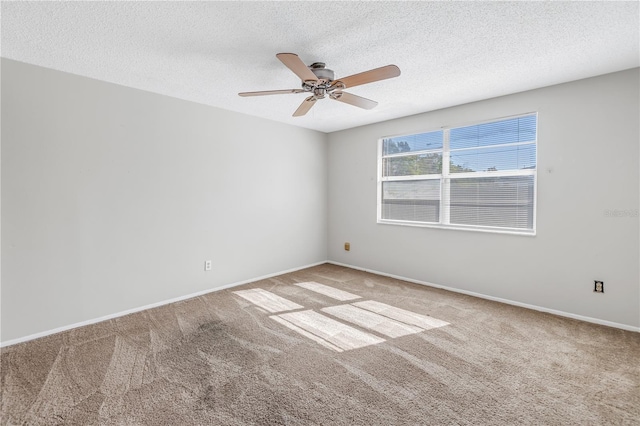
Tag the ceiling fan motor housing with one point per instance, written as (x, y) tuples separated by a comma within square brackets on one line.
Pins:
[(321, 72)]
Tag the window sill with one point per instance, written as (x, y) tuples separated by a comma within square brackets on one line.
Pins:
[(509, 231)]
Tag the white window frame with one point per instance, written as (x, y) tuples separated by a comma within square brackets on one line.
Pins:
[(446, 176)]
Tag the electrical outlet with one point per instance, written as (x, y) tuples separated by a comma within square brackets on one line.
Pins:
[(207, 265), (598, 286), (347, 246)]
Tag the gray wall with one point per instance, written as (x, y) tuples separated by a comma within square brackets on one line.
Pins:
[(113, 198), (588, 161)]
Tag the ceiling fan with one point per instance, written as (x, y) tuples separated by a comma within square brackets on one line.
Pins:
[(319, 82)]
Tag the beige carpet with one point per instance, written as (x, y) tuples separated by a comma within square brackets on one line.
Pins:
[(343, 348)]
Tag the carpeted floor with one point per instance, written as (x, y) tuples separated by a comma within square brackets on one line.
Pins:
[(378, 352)]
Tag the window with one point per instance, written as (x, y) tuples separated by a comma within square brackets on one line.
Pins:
[(479, 177)]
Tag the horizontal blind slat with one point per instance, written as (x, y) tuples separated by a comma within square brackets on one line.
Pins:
[(409, 143), (498, 201), (521, 129), (417, 201), (412, 165), (494, 159)]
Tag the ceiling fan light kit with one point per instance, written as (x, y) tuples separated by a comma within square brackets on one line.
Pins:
[(321, 82)]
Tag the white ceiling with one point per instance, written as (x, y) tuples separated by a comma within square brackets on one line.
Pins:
[(449, 53)]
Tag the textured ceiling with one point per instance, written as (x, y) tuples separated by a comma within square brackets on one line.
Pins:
[(449, 52)]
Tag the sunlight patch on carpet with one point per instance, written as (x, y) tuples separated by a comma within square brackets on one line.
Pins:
[(305, 333), (267, 300), (345, 329), (372, 321), (326, 290), (401, 315), (336, 333)]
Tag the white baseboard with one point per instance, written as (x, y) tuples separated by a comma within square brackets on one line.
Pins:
[(152, 305), (200, 293), (496, 299)]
